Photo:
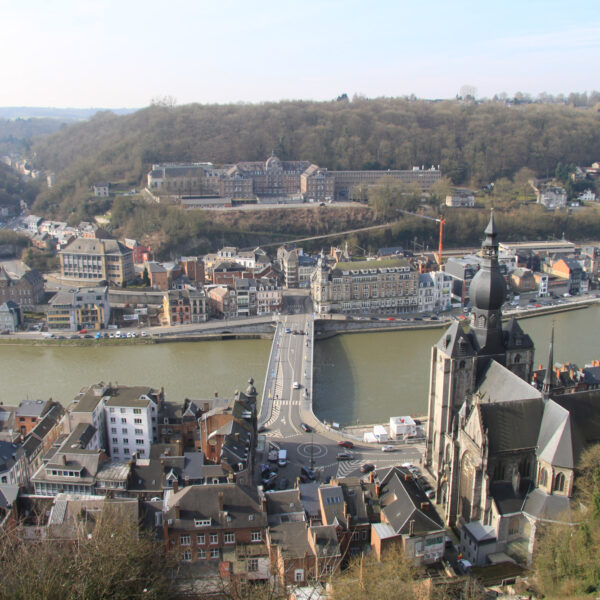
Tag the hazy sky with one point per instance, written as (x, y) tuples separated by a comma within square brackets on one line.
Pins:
[(109, 53)]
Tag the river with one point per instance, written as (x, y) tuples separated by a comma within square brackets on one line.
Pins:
[(366, 377)]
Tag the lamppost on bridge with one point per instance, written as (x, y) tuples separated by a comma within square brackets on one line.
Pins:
[(312, 452)]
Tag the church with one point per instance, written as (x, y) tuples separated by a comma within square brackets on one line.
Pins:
[(503, 452)]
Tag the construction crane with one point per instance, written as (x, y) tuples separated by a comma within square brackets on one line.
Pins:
[(441, 221)]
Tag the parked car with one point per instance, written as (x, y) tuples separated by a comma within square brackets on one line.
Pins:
[(306, 427), (346, 444), (388, 448), (308, 473), (367, 468), (344, 456)]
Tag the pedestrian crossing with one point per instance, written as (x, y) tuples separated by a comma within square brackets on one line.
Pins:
[(347, 466)]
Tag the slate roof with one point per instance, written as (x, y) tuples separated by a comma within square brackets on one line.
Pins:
[(292, 538), (80, 437), (501, 385), (401, 500), (551, 507), (8, 495), (512, 425), (332, 505), (130, 396), (284, 506), (325, 540), (309, 496), (507, 500), (95, 246), (455, 342), (515, 337), (241, 506), (32, 408)]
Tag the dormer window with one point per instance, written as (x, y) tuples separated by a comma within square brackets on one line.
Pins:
[(201, 522)]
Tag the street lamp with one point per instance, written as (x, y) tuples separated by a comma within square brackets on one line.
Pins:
[(312, 451)]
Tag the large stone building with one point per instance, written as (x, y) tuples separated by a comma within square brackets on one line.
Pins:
[(25, 291), (90, 261), (276, 179), (384, 286), (502, 451)]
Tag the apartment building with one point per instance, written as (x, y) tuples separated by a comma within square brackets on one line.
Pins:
[(383, 286), (83, 308), (93, 260), (130, 414), (181, 307), (222, 524), (269, 297), (25, 291)]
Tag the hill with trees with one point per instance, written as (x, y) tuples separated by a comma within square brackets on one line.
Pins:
[(472, 143)]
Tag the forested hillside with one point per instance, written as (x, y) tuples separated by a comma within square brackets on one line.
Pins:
[(473, 144)]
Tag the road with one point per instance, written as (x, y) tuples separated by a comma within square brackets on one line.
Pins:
[(287, 404)]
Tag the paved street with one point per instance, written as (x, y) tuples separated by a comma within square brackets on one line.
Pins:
[(287, 405)]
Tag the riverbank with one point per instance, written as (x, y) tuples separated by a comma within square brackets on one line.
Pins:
[(325, 328)]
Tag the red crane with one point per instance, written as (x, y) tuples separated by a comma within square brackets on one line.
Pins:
[(441, 221)]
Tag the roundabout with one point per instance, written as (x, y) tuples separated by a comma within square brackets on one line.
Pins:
[(311, 450)]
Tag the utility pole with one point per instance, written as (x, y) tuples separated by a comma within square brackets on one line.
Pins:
[(312, 452)]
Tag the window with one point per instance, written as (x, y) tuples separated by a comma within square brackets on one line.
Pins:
[(256, 536), (201, 539), (513, 526), (201, 553), (139, 432), (252, 565), (229, 538), (125, 441), (137, 421), (113, 420), (115, 440), (185, 540), (543, 477), (124, 429), (559, 483), (201, 522), (125, 450), (214, 553), (139, 442), (122, 410), (112, 410), (355, 535), (299, 575), (137, 411), (187, 556), (214, 538), (123, 419), (113, 430)]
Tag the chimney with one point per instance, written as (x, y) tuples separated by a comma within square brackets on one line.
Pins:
[(377, 490), (220, 501), (371, 477), (263, 504), (424, 505), (63, 458), (175, 486), (411, 528), (177, 512)]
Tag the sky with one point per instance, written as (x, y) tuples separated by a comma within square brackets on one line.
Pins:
[(127, 53)]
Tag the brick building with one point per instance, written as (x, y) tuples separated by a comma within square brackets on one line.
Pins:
[(25, 291)]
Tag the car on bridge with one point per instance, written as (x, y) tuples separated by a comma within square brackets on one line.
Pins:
[(306, 427), (367, 468), (344, 456), (388, 448), (346, 444)]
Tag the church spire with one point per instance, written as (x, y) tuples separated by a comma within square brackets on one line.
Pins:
[(547, 385)]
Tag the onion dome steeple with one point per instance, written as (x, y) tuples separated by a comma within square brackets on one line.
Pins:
[(487, 293)]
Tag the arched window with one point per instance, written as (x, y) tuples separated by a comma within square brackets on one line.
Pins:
[(543, 477), (559, 483), (518, 358), (462, 364)]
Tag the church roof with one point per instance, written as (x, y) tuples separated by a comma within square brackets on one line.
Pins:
[(499, 384), (515, 337), (558, 443), (544, 506), (512, 425), (455, 342)]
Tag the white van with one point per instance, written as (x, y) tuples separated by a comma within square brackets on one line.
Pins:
[(297, 385), (282, 461)]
